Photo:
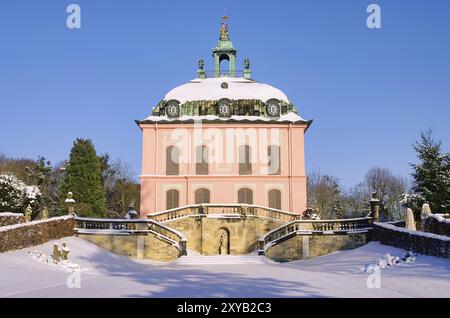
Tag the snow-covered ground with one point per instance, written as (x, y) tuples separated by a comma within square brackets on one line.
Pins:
[(104, 274)]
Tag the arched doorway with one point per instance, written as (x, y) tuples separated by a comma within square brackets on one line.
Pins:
[(223, 246)]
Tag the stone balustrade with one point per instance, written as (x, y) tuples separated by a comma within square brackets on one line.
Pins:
[(242, 210), (340, 225), (314, 227), (120, 226)]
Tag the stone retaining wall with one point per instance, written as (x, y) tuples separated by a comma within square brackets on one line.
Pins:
[(140, 246), (308, 246), (416, 241), (8, 218), (437, 225), (18, 236), (204, 233)]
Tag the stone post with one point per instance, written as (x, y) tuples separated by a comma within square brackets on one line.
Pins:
[(426, 211), (183, 247), (28, 213), (70, 203), (409, 220), (261, 247), (140, 239), (424, 215), (244, 210), (44, 215), (375, 207), (203, 209)]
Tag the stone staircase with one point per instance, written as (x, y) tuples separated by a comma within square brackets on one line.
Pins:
[(223, 260)]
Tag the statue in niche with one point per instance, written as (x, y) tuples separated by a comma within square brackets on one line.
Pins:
[(223, 243)]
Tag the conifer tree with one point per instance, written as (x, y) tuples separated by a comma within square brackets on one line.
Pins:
[(432, 174), (83, 178)]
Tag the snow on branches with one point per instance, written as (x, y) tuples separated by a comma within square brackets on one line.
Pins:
[(15, 195)]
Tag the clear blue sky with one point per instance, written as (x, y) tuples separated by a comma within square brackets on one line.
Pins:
[(370, 92)]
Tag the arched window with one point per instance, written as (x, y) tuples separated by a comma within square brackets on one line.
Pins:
[(172, 161), (245, 196), (172, 199), (245, 164), (273, 152), (202, 196), (275, 199), (201, 160)]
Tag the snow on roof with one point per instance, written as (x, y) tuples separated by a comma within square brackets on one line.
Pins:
[(211, 89), (290, 117)]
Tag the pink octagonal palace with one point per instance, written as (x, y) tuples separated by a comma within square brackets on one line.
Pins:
[(223, 138)]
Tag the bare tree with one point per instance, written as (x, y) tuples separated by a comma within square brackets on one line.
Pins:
[(121, 190), (324, 195), (355, 200), (389, 188), (19, 167)]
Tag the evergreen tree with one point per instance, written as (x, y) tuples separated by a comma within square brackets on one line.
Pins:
[(83, 178), (40, 174), (15, 195), (432, 174)]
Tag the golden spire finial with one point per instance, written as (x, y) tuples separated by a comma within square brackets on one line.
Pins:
[(224, 27)]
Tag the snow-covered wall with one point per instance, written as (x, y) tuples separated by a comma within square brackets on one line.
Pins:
[(14, 237), (8, 218), (416, 241), (436, 224)]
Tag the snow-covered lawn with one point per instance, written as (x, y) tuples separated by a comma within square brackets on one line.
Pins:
[(104, 274)]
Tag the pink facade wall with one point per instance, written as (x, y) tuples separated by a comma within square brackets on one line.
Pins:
[(223, 179)]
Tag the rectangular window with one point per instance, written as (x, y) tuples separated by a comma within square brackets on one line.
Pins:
[(201, 160), (172, 199), (275, 199), (172, 159), (273, 153), (245, 164)]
